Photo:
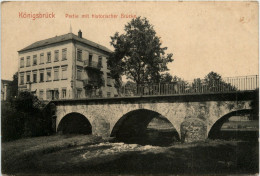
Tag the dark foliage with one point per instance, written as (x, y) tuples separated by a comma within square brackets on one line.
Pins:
[(11, 122), (14, 86), (138, 53), (212, 82), (166, 78), (22, 118), (95, 83), (255, 107)]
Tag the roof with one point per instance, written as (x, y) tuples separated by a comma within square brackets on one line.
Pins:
[(62, 38)]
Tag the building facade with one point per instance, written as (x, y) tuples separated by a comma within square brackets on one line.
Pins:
[(5, 91), (65, 67)]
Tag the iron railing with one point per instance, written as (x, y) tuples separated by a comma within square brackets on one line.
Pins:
[(87, 82), (92, 64), (197, 86)]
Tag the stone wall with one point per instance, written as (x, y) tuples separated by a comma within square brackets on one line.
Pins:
[(193, 129)]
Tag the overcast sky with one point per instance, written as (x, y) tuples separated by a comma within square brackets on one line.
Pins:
[(203, 36)]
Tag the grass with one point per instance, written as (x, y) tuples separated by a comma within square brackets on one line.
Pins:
[(64, 155), (24, 149)]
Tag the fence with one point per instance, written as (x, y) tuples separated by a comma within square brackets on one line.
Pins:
[(199, 86)]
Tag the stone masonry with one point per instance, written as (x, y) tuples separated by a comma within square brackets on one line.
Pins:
[(192, 116)]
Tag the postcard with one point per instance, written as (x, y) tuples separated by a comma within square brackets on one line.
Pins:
[(130, 88)]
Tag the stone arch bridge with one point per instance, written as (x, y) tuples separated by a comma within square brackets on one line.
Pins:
[(105, 116)]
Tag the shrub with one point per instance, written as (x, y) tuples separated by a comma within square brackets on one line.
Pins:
[(21, 118)]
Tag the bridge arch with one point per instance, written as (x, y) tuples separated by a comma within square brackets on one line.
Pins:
[(215, 130), (135, 124), (74, 123)]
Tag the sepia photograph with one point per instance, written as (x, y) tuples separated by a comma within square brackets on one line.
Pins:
[(130, 88)]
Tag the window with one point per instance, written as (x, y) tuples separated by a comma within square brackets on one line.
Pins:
[(41, 94), (35, 76), (79, 91), (100, 93), (48, 73), (48, 57), (22, 62), (90, 59), (109, 80), (64, 72), (28, 77), (42, 76), (56, 57), (108, 66), (79, 72), (48, 94), (79, 54), (100, 61), (108, 94), (64, 93), (28, 61), (64, 54), (34, 59), (21, 78), (56, 94), (56, 73), (41, 58)]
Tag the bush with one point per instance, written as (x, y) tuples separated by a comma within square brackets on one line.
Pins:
[(12, 122), (21, 118)]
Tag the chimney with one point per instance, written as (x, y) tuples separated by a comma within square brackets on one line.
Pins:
[(80, 34)]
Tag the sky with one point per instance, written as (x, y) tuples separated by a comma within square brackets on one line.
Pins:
[(203, 36)]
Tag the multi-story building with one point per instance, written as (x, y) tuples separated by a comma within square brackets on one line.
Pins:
[(65, 67)]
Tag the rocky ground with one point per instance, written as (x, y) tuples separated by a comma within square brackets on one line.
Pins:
[(82, 154)]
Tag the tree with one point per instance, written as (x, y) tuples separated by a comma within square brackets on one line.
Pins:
[(138, 53), (25, 102), (166, 78), (197, 85), (22, 117), (212, 82), (129, 89)]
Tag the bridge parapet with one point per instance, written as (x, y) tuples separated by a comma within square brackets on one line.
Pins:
[(196, 86), (192, 97)]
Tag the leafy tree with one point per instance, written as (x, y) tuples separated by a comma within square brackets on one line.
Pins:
[(138, 53), (178, 79), (197, 85), (166, 78), (181, 84), (129, 88), (212, 82), (25, 102)]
